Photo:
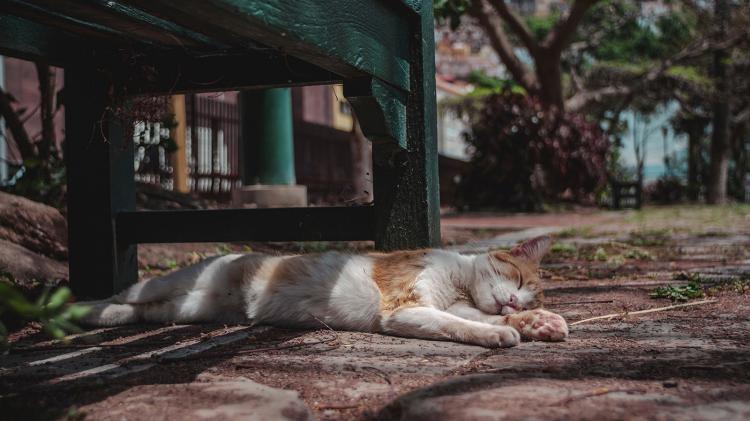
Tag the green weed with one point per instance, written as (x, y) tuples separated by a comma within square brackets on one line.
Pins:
[(654, 237), (692, 290), (563, 249), (638, 254)]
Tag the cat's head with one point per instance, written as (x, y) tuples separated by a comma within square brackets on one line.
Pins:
[(508, 282)]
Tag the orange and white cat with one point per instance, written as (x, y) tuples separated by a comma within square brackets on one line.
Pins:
[(490, 299)]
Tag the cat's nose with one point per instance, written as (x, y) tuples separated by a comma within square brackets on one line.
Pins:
[(513, 301)]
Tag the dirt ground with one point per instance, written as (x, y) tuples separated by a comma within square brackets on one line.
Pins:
[(691, 362)]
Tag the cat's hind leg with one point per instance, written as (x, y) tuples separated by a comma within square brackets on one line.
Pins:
[(205, 292), (431, 323), (104, 313), (192, 307), (198, 276)]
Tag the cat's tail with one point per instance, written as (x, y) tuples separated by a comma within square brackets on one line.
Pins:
[(107, 313)]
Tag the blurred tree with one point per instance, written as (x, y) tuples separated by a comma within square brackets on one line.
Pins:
[(718, 172), (694, 126), (595, 52), (603, 57), (41, 176)]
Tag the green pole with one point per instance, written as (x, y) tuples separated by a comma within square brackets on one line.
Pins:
[(267, 146)]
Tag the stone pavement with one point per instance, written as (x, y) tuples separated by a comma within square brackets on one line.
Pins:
[(688, 363)]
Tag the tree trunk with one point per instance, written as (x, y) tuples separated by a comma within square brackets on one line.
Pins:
[(15, 126), (46, 76), (695, 135), (739, 156), (717, 183), (549, 75)]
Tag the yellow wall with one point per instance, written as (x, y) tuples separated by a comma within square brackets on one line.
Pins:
[(342, 116)]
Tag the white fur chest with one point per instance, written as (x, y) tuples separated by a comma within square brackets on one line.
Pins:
[(440, 284)]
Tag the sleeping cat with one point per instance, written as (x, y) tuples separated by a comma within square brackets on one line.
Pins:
[(490, 299)]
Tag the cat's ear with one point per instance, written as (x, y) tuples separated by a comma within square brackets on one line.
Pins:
[(534, 249)]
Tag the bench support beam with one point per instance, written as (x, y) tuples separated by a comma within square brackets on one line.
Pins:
[(101, 183), (353, 223)]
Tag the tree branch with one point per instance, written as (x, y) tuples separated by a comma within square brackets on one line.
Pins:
[(516, 25), (12, 120), (580, 100), (502, 46), (566, 27), (46, 77), (694, 50)]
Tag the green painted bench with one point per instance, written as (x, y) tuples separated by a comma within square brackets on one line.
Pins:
[(382, 51)]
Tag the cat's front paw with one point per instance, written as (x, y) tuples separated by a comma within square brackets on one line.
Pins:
[(539, 325), (497, 337)]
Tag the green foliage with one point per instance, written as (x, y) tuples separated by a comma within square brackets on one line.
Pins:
[(170, 264), (223, 249), (583, 232), (540, 26), (629, 37), (692, 75), (649, 237), (564, 249), (450, 10), (737, 285), (638, 254), (39, 181), (692, 290), (600, 255), (50, 309), (489, 83)]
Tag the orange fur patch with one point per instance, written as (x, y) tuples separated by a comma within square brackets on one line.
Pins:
[(291, 270), (248, 267), (395, 274)]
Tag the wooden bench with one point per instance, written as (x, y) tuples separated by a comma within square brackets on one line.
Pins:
[(626, 194), (382, 51)]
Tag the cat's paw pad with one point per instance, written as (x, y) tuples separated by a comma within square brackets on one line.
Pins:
[(539, 325), (498, 337)]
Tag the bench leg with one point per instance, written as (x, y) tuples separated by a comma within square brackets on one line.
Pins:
[(101, 182), (403, 131), (421, 131)]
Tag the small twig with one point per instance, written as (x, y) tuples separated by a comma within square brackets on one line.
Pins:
[(594, 393), (288, 346), (324, 407), (653, 310), (580, 302)]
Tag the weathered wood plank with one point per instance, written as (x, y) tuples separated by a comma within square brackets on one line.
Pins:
[(129, 22), (62, 22), (101, 183), (380, 108), (177, 72), (422, 118), (28, 40), (347, 37), (279, 224), (406, 182)]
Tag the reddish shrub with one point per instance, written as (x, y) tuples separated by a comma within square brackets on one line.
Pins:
[(524, 155)]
